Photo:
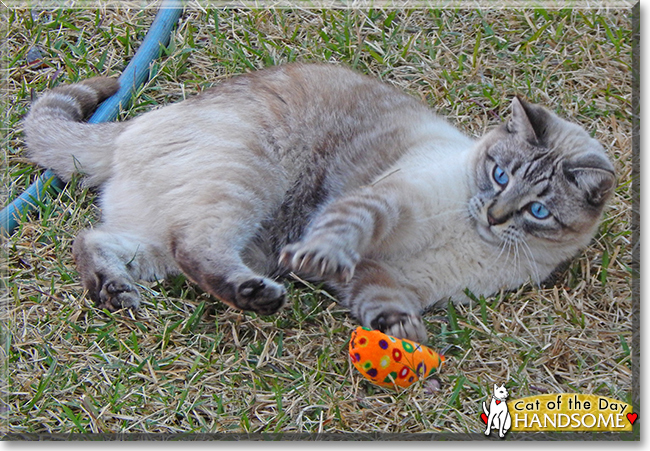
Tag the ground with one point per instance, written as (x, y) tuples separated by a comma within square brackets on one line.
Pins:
[(184, 364)]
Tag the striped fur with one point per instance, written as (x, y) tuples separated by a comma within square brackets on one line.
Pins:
[(319, 170), (57, 139)]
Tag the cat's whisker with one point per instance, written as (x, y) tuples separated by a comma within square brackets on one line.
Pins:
[(502, 247), (513, 249), (511, 256), (531, 261), (520, 251)]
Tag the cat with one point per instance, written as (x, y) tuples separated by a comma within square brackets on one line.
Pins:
[(339, 177), (498, 416)]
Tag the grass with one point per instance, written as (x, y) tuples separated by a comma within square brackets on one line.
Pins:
[(185, 364)]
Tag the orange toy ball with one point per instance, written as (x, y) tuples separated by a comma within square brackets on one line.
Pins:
[(388, 361)]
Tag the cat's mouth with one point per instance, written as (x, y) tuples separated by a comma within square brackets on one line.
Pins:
[(487, 234), (483, 228)]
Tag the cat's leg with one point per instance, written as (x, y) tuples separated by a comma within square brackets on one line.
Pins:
[(507, 421), (344, 231), (491, 423), (209, 252), (380, 301), (356, 225), (502, 424), (110, 263)]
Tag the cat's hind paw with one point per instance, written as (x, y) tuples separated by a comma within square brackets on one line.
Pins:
[(115, 295), (263, 296)]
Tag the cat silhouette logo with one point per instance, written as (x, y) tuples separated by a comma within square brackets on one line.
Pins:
[(497, 416)]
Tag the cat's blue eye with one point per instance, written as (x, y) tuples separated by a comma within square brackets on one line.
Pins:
[(538, 210), (500, 176)]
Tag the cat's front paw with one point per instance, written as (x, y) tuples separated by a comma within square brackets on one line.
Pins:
[(321, 257), (401, 325)]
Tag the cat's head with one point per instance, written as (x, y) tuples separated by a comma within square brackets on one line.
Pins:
[(500, 392), (540, 180)]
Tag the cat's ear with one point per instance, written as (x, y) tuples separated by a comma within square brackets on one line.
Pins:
[(593, 173), (495, 388), (528, 121)]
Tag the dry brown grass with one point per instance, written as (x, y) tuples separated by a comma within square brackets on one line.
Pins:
[(182, 365)]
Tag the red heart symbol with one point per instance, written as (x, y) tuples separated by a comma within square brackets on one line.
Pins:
[(631, 417), (498, 402), (484, 417)]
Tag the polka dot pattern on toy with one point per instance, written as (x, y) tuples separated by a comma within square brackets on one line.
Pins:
[(388, 361)]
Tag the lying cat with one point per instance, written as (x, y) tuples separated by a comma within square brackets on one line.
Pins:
[(334, 175)]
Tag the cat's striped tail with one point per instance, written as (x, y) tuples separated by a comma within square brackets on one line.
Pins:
[(58, 139)]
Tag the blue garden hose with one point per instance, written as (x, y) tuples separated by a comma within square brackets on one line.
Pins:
[(132, 78)]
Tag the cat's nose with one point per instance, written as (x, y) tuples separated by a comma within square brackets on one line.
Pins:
[(496, 220)]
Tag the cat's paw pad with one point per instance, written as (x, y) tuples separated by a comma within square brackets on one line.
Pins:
[(323, 258), (401, 325), (117, 294), (260, 295)]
